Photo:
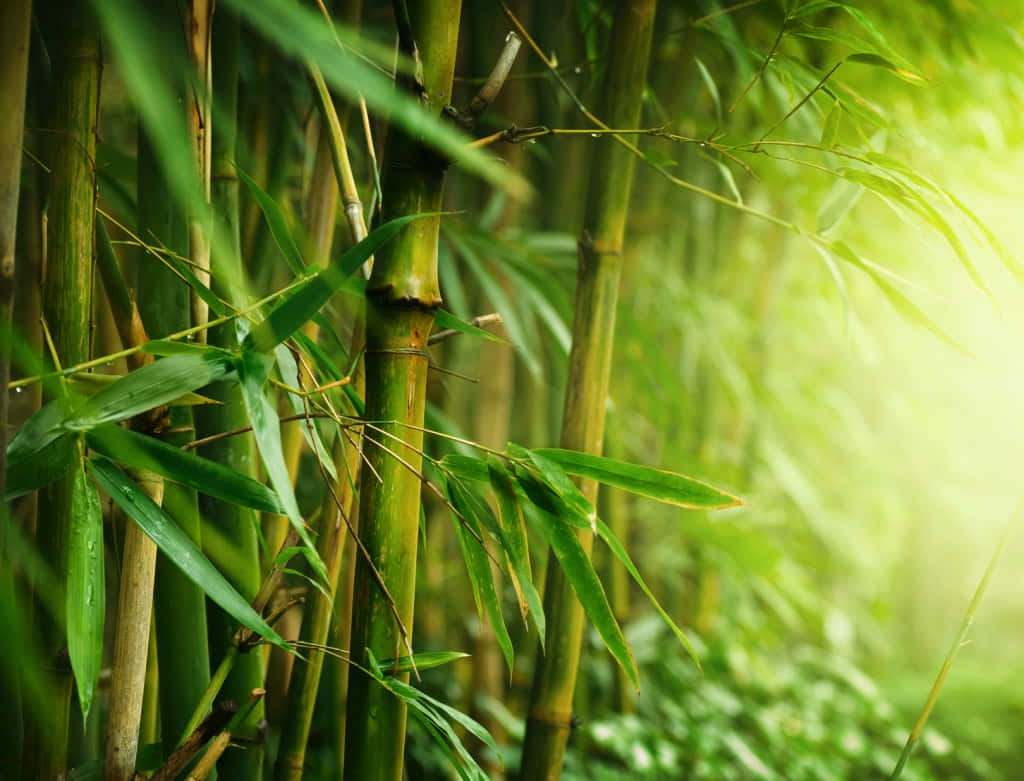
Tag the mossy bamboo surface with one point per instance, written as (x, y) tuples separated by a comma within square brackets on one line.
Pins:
[(233, 522), (75, 56), (549, 720), (14, 41), (402, 296)]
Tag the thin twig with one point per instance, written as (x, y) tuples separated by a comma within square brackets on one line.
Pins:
[(478, 322), (489, 91)]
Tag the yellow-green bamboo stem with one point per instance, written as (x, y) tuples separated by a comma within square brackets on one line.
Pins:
[(75, 54), (164, 304), (131, 643), (234, 522), (14, 39), (316, 623), (402, 296), (199, 22), (549, 720)]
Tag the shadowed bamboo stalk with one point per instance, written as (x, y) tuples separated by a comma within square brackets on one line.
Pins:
[(402, 296), (199, 22), (600, 261), (14, 41), (337, 506), (163, 301), (234, 522), (75, 54)]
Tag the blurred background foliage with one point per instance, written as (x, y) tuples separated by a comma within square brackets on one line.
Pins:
[(875, 441)]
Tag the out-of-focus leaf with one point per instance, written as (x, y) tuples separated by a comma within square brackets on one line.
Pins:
[(668, 487), (178, 547), (295, 311), (878, 61), (831, 128), (85, 605), (252, 373), (299, 31), (277, 223), (182, 466), (41, 467), (837, 204)]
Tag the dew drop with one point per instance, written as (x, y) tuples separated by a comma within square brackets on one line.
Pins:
[(129, 492), (595, 135), (190, 338), (18, 390), (577, 70)]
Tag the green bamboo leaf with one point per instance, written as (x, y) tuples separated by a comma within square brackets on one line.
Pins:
[(295, 311), (616, 547), (85, 604), (39, 468), (277, 223), (289, 372), (182, 466), (516, 545), (562, 484), (423, 661), (837, 204), (903, 305), (40, 430), (877, 61), (89, 383), (465, 467), (543, 497), (478, 564), (300, 32), (831, 128), (446, 320), (253, 369), (434, 721), (579, 571), (178, 547), (668, 487), (151, 386)]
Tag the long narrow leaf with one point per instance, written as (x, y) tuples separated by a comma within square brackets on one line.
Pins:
[(579, 571), (85, 606), (252, 372), (295, 311), (668, 487), (178, 547), (182, 466)]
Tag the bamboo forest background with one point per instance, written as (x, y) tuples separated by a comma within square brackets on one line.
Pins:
[(323, 322)]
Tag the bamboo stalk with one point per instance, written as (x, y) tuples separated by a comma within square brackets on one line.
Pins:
[(317, 620), (402, 296), (14, 42), (164, 304), (198, 25), (131, 642), (75, 55), (550, 715), (234, 522)]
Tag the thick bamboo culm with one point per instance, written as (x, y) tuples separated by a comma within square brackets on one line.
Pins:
[(15, 17), (67, 308), (402, 296), (549, 719)]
